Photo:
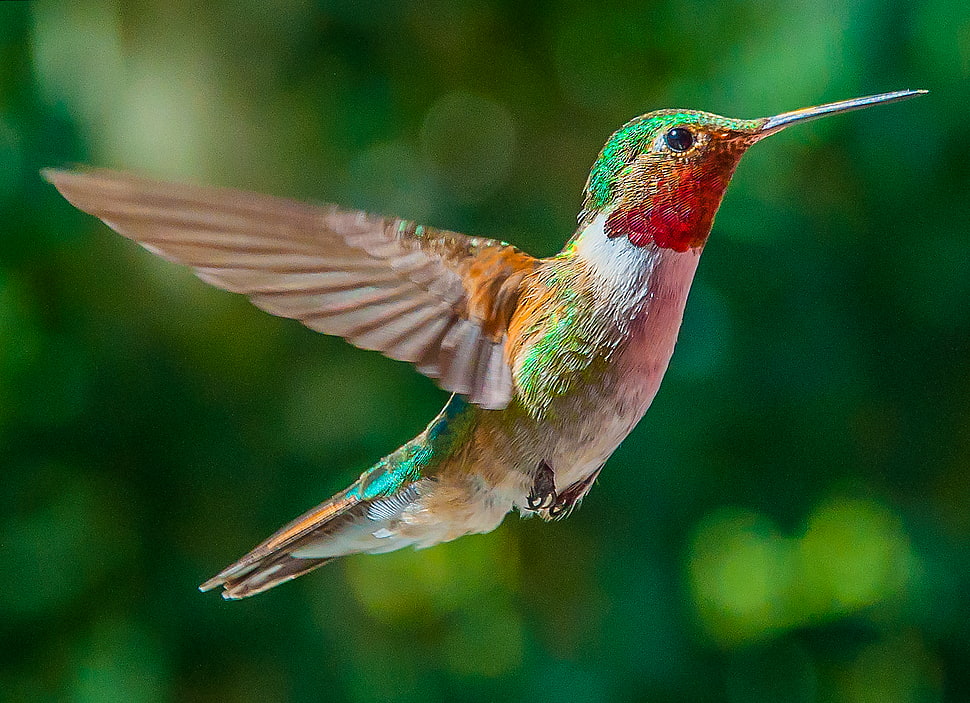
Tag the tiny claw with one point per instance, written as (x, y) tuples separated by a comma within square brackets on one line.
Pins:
[(540, 502), (543, 494), (571, 497), (558, 510)]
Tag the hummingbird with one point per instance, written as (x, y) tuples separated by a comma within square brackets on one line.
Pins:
[(551, 362)]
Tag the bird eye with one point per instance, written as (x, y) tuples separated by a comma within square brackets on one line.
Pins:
[(679, 139)]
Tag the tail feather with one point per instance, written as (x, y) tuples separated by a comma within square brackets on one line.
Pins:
[(346, 524), (265, 575), (272, 562)]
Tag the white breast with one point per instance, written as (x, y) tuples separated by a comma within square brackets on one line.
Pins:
[(645, 290)]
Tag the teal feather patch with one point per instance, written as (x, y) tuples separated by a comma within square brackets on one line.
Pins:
[(419, 457)]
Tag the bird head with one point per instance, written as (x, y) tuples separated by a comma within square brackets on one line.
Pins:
[(661, 177)]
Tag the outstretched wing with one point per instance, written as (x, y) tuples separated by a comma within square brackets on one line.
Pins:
[(438, 299)]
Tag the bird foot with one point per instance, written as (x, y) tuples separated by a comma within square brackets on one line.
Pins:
[(571, 497), (543, 495)]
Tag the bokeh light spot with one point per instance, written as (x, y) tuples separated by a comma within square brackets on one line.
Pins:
[(739, 571), (854, 553), (748, 581)]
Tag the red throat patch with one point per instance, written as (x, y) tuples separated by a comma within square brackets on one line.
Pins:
[(665, 228), (675, 212)]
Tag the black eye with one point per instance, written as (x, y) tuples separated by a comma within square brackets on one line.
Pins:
[(679, 139)]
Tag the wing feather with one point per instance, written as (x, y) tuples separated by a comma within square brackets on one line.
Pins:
[(435, 298)]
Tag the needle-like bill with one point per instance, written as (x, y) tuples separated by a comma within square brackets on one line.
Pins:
[(778, 122)]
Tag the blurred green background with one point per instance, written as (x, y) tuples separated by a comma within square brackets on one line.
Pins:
[(789, 523)]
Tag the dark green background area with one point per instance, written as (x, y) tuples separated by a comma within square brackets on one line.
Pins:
[(789, 523)]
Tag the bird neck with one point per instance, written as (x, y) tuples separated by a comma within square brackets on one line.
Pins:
[(667, 204), (626, 275), (675, 211)]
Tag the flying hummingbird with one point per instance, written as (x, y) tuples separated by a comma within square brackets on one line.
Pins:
[(551, 362)]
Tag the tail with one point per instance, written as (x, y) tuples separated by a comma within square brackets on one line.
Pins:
[(362, 518), (273, 562), (240, 581)]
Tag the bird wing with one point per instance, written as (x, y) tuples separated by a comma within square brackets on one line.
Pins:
[(438, 299)]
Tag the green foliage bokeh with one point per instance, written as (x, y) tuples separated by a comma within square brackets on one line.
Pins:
[(789, 523)]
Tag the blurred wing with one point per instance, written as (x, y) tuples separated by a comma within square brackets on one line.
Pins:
[(438, 299)]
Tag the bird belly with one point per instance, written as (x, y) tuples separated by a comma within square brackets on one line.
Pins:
[(603, 413), (604, 417)]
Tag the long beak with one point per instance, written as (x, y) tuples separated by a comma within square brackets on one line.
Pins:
[(786, 119)]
